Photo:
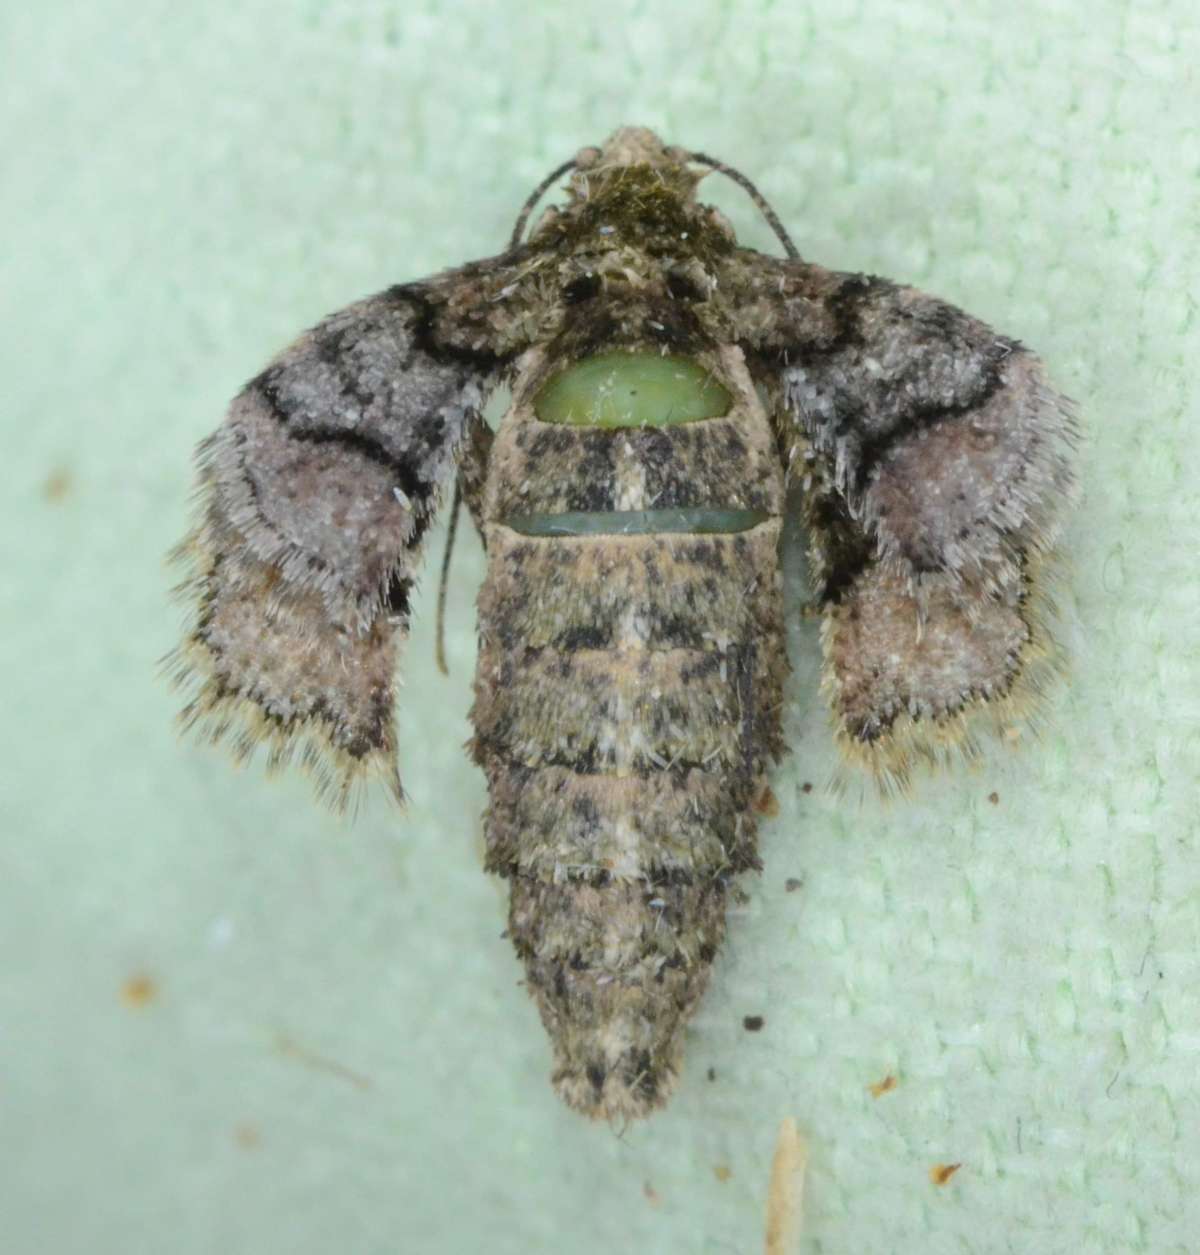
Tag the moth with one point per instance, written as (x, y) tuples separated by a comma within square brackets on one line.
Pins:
[(674, 394)]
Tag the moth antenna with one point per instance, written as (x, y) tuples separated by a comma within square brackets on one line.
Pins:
[(755, 195), (440, 646), (534, 197)]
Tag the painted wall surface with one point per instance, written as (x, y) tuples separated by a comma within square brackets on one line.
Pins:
[(229, 1021)]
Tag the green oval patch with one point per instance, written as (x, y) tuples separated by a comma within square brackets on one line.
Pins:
[(631, 390)]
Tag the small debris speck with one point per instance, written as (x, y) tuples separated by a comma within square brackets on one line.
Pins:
[(57, 485), (321, 1063), (785, 1192), (722, 1172), (940, 1173), (994, 798), (879, 1088), (792, 883), (139, 990), (806, 787), (752, 1023), (766, 803)]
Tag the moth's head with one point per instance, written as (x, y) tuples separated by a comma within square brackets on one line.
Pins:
[(632, 146), (634, 156), (635, 191)]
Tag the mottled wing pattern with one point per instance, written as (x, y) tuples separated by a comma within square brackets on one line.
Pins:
[(315, 496), (937, 462)]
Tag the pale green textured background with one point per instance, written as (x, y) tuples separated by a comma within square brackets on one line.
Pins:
[(338, 1058)]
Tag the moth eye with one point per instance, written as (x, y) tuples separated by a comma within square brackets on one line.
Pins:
[(631, 390), (582, 289), (682, 287)]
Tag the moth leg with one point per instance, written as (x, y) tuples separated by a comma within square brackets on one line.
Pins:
[(473, 459), (316, 495), (468, 487)]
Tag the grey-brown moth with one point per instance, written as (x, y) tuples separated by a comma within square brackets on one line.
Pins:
[(669, 387)]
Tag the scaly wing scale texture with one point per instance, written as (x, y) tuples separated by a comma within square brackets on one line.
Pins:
[(937, 460), (316, 494)]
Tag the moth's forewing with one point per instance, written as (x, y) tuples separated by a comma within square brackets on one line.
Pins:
[(315, 497)]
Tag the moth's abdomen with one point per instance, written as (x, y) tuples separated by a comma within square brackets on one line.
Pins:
[(627, 703), (624, 740), (616, 967)]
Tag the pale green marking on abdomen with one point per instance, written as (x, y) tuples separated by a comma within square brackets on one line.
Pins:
[(631, 390), (693, 520)]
